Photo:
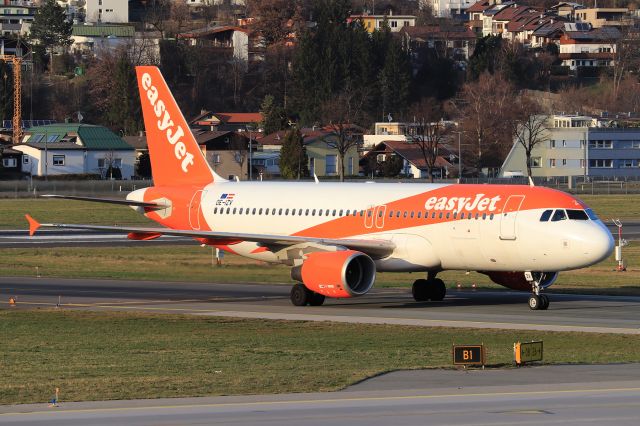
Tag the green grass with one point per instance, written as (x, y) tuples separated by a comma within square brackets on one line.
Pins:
[(98, 356), (13, 211), (66, 211), (193, 263)]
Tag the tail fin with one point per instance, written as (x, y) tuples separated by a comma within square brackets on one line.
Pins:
[(176, 158)]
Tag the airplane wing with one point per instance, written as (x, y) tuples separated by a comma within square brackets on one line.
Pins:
[(151, 205), (375, 247)]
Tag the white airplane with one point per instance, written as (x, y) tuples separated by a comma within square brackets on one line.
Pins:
[(337, 236)]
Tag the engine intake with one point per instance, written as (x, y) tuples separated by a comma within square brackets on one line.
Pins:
[(517, 280), (340, 274)]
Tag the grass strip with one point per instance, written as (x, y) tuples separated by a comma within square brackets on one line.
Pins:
[(194, 264), (100, 356)]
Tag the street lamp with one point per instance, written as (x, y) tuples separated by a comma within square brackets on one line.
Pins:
[(250, 129)]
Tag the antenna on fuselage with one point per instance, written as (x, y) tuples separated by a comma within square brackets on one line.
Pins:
[(531, 181)]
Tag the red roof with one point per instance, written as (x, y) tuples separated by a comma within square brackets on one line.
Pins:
[(480, 6), (413, 154), (239, 117), (510, 12)]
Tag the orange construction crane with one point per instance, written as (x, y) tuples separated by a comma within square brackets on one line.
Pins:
[(17, 95)]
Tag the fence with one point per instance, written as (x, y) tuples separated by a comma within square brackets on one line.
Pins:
[(87, 188)]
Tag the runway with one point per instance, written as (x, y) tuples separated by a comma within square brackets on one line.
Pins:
[(572, 395), (476, 309), (82, 238)]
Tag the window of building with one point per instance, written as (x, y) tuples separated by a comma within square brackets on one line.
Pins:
[(535, 161), (58, 160), (600, 144), (552, 143), (564, 161), (552, 162), (600, 163), (564, 143), (635, 144), (25, 160), (582, 163), (10, 162), (215, 158), (394, 24), (626, 163), (350, 166), (330, 164)]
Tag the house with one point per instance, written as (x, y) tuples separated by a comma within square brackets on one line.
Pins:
[(74, 148), (548, 31), (599, 17), (566, 10), (235, 42), (575, 145), (322, 155), (583, 46), (226, 152), (16, 17), (385, 131), (375, 22), (455, 42), (266, 164), (449, 8), (413, 161), (476, 15), (11, 163), (100, 37), (502, 17), (231, 121), (107, 11)]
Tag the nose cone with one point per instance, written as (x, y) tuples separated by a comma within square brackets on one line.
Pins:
[(599, 244)]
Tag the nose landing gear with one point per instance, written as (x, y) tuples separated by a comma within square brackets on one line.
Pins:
[(537, 301)]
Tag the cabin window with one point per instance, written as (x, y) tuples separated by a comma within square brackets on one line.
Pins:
[(491, 216), (404, 214), (411, 215), (455, 215), (260, 211), (390, 213), (240, 211), (545, 215), (228, 210), (440, 215), (461, 215), (313, 212), (266, 211), (347, 213), (448, 215), (306, 212), (398, 213), (340, 214), (215, 211), (577, 215), (433, 215), (319, 212), (286, 212), (477, 215), (361, 213), (299, 212), (380, 213), (254, 211), (419, 215), (558, 215), (280, 212), (484, 216)]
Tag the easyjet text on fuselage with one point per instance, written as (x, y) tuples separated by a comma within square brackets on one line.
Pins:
[(480, 203)]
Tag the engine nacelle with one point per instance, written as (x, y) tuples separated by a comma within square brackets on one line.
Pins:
[(517, 280), (339, 274)]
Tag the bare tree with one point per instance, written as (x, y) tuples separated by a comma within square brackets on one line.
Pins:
[(430, 131), (626, 58), (529, 127), (341, 115)]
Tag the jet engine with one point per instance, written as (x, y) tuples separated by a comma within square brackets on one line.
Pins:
[(339, 274), (517, 280)]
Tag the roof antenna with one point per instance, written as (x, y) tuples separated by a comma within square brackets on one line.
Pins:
[(531, 181), (315, 177)]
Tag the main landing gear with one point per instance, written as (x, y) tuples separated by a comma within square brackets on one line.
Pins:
[(430, 289), (537, 301), (302, 296)]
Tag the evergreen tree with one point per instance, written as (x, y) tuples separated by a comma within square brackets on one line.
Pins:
[(123, 110), (394, 80), (293, 156), (273, 116), (485, 56), (50, 28)]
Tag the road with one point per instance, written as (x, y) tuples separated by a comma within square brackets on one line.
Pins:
[(462, 308), (571, 395), (81, 238)]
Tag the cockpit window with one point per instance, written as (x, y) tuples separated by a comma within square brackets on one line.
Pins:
[(577, 215), (545, 215), (558, 215), (592, 215)]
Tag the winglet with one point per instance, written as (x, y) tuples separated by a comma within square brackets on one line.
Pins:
[(33, 225)]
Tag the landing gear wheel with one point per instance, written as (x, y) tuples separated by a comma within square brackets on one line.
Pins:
[(420, 290), (300, 295), (438, 290), (316, 299), (544, 302), (535, 302)]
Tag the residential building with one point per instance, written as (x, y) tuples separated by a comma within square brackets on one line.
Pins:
[(502, 17), (455, 42), (375, 22), (321, 152), (101, 37), (449, 8), (75, 148), (266, 164), (583, 46), (236, 42), (16, 17), (413, 161), (232, 121), (575, 145), (385, 131), (75, 9), (107, 11), (476, 15), (11, 163), (600, 17), (566, 10), (227, 152)]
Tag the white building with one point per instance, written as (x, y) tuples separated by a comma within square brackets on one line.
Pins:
[(448, 8), (74, 148), (107, 11)]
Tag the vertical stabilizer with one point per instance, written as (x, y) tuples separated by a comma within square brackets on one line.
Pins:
[(176, 158)]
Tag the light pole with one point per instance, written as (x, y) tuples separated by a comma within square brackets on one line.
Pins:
[(459, 159), (249, 129)]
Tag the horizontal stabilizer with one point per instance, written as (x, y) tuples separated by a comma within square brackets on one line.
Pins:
[(147, 204)]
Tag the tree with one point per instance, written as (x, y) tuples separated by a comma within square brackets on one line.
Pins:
[(273, 116), (341, 116), (391, 166), (485, 57), (529, 127), (50, 28), (275, 18), (430, 132), (293, 156), (143, 166)]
